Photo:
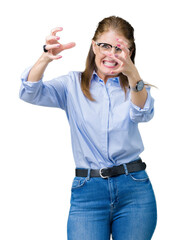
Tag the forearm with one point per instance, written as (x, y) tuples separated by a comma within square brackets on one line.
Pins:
[(138, 98), (38, 69)]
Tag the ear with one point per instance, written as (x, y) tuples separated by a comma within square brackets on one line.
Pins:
[(94, 46), (131, 52)]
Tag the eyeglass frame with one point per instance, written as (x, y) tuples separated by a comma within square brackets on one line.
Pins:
[(116, 48)]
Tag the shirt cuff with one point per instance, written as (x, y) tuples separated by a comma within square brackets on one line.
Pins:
[(147, 106)]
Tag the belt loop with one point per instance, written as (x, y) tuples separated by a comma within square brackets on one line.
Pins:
[(88, 174), (125, 168)]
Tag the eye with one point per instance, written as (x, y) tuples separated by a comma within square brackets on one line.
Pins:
[(118, 49), (105, 46)]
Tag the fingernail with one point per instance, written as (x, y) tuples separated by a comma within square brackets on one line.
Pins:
[(58, 45), (116, 55), (118, 45), (57, 38)]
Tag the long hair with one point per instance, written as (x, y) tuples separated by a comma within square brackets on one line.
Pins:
[(120, 26)]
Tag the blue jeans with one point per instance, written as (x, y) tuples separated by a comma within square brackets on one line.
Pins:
[(123, 206)]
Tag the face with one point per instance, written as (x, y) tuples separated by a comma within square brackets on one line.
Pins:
[(104, 62)]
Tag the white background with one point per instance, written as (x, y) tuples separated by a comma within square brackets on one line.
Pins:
[(35, 141)]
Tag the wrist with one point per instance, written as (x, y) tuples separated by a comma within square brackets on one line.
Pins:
[(133, 78), (45, 59)]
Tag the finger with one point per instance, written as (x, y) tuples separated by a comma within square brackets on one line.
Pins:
[(123, 46), (55, 30), (68, 45), (120, 41), (52, 46), (54, 57), (116, 72), (124, 49), (118, 59), (51, 38)]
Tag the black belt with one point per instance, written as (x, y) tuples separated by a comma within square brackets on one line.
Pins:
[(133, 166)]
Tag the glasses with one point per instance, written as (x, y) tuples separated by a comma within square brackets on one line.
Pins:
[(107, 48)]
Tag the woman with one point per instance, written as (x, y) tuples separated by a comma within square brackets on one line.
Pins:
[(111, 192)]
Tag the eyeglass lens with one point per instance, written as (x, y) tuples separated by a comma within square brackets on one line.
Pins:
[(106, 48)]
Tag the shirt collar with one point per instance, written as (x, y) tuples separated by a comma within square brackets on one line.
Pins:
[(95, 77)]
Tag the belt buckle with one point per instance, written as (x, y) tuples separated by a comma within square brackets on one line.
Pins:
[(100, 172)]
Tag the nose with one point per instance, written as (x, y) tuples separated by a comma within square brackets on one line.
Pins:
[(113, 50)]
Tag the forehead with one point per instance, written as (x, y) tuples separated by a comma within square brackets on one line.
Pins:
[(111, 37)]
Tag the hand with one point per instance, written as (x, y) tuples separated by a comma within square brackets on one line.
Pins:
[(54, 47), (125, 64)]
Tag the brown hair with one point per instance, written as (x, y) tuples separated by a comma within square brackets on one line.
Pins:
[(121, 26)]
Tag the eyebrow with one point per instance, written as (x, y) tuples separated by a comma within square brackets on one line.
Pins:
[(130, 48)]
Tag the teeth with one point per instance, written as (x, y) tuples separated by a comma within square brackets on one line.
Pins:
[(109, 63)]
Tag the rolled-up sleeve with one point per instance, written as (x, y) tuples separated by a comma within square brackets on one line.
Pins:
[(144, 114), (50, 93)]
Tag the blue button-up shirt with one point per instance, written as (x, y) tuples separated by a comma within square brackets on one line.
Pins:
[(104, 133)]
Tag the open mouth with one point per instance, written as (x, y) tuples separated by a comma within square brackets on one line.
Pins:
[(110, 64)]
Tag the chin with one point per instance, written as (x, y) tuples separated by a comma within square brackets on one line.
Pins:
[(107, 72)]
